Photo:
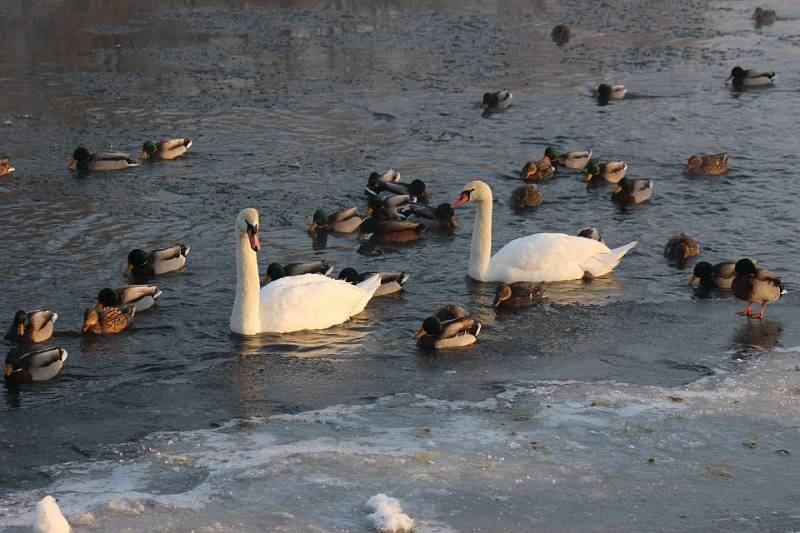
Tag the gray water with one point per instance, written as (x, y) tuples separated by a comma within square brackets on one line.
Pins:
[(178, 424)]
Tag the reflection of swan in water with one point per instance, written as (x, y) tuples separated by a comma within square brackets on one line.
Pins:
[(756, 336)]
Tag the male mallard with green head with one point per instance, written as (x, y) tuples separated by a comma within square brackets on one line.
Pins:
[(718, 276), (633, 191), (497, 100), (575, 160), (155, 262), (606, 93), (37, 365), (84, 161), (36, 326), (165, 149), (755, 285), (276, 271), (342, 221), (391, 282), (741, 78), (456, 333), (442, 216), (140, 296), (608, 171)]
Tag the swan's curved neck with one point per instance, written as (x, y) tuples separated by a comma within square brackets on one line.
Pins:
[(481, 250), (246, 313)]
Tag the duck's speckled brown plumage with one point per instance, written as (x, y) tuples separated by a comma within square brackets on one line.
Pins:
[(538, 170), (518, 294), (681, 247), (107, 320), (712, 165), (526, 196), (166, 149), (5, 167)]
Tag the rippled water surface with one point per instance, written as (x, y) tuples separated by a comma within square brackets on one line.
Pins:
[(291, 106)]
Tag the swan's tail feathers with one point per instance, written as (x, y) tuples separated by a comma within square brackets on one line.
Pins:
[(603, 264), (370, 284)]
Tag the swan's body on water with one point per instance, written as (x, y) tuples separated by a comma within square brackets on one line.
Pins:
[(538, 257), (293, 303)]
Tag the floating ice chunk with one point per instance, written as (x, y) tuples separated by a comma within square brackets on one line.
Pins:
[(388, 515), (125, 506), (48, 518)]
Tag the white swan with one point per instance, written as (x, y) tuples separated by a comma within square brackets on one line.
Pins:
[(293, 303), (539, 257), (48, 517)]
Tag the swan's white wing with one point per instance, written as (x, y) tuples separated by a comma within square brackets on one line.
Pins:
[(550, 257), (311, 301)]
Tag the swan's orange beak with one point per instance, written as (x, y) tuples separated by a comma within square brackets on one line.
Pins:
[(255, 243), (464, 198)]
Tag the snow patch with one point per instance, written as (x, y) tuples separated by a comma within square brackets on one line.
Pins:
[(388, 515)]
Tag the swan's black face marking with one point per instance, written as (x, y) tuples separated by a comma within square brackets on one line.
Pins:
[(463, 198), (251, 229)]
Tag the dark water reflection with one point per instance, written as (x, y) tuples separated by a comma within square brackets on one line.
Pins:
[(291, 105)]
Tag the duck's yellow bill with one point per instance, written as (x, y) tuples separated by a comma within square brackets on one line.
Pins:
[(694, 280), (8, 370), (20, 329), (729, 78), (619, 189), (129, 268), (144, 155), (265, 280), (589, 176), (421, 333), (72, 162)]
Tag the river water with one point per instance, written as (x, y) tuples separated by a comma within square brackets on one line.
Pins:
[(623, 403)]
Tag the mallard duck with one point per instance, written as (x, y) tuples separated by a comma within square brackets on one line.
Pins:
[(155, 262), (450, 312), (392, 230), (416, 189), (719, 276), (497, 100), (764, 16), (590, 233), (526, 196), (713, 165), (166, 148), (538, 170), (560, 34), (610, 171), (140, 296), (442, 216), (389, 176), (391, 282), (574, 160), (276, 271), (5, 168), (681, 247), (36, 326), (755, 285), (343, 221), (633, 191), (750, 78), (436, 334), (606, 92), (518, 294), (107, 320), (388, 206), (37, 365), (84, 161)]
